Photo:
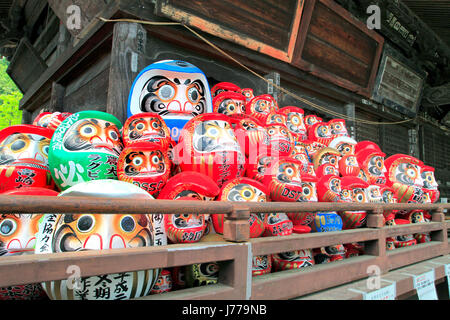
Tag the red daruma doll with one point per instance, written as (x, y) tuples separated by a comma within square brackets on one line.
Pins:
[(280, 139), (284, 180), (242, 190), (229, 103), (252, 136), (295, 122), (320, 132), (260, 107), (146, 127), (208, 145), (183, 227), (24, 158), (145, 165)]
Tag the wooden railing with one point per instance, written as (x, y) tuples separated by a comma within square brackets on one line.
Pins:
[(235, 253)]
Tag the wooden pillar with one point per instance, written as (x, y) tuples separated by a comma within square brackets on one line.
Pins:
[(26, 117), (127, 60), (377, 247), (57, 98), (350, 112), (413, 134), (274, 81), (63, 40)]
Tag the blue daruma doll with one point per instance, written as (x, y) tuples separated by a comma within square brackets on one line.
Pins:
[(175, 90)]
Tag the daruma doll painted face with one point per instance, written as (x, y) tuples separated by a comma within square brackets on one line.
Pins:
[(176, 90), (260, 107), (164, 283), (184, 227), (292, 260), (242, 190), (79, 232), (248, 94), (18, 237), (24, 160), (299, 153), (43, 119), (329, 189), (388, 196), (403, 175), (327, 156), (345, 145), (146, 127), (281, 140), (284, 180), (320, 132), (261, 265), (85, 147), (259, 167), (311, 120), (371, 161), (430, 186), (229, 103), (208, 145), (190, 184), (144, 164), (276, 118), (326, 169), (295, 122), (338, 128)]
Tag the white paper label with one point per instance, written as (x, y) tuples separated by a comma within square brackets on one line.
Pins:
[(424, 284), (386, 293), (134, 62)]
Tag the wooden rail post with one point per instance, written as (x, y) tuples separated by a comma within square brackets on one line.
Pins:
[(127, 60), (375, 219), (440, 235), (237, 273), (377, 247), (236, 226)]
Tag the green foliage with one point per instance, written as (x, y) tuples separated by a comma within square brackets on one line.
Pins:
[(9, 99)]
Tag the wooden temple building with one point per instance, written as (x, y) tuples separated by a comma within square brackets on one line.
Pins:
[(65, 56)]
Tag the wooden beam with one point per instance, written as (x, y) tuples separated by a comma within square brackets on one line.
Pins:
[(64, 38), (127, 60)]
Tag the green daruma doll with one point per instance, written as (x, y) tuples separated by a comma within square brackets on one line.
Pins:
[(86, 146)]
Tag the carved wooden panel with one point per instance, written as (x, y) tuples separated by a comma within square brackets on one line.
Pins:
[(336, 47), (398, 85), (269, 27)]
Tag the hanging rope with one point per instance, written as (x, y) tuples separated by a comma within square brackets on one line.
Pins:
[(310, 103)]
